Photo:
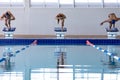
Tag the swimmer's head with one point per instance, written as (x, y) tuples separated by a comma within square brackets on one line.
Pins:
[(112, 16)]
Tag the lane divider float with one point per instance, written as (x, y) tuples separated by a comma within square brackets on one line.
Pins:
[(103, 50), (18, 51)]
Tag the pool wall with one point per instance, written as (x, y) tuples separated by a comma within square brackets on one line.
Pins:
[(59, 41)]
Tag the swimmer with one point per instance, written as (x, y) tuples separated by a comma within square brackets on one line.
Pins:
[(61, 17), (112, 20), (7, 16)]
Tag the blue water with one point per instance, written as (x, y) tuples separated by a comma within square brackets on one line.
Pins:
[(59, 62)]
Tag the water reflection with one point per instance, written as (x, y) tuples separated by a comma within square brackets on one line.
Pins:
[(7, 59), (112, 50), (60, 63), (60, 53), (110, 60), (64, 70)]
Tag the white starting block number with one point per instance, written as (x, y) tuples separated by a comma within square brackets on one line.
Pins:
[(60, 33), (112, 33), (9, 33)]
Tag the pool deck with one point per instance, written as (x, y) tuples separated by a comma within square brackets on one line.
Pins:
[(52, 40)]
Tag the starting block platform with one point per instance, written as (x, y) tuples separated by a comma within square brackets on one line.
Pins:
[(8, 33), (60, 33), (112, 33)]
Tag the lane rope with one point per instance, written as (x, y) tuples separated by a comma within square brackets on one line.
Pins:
[(11, 54), (103, 50)]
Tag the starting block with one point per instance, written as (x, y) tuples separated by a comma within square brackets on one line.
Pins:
[(8, 33), (112, 33), (60, 33)]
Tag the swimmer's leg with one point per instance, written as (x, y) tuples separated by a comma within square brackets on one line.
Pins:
[(113, 25), (9, 23), (110, 26)]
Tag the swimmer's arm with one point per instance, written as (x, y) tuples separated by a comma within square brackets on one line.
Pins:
[(12, 16), (1, 18), (118, 19), (104, 21)]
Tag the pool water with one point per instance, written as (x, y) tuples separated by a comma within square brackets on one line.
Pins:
[(59, 62)]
